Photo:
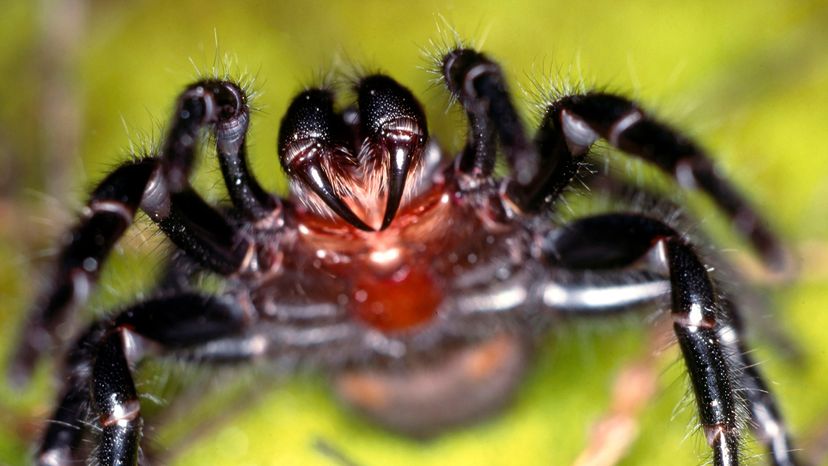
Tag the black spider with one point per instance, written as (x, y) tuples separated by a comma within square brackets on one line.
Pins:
[(417, 280)]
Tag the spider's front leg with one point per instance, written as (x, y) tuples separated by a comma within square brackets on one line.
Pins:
[(541, 171), (478, 83), (158, 185), (706, 327)]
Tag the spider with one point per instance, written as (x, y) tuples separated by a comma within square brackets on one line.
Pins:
[(417, 279)]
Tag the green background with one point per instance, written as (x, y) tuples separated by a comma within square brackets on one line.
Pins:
[(84, 83)]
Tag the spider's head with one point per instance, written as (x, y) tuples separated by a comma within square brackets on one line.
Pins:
[(360, 165)]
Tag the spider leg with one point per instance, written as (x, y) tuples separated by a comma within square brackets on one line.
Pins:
[(569, 128), (160, 187), (766, 418), (642, 199), (706, 327), (108, 213), (179, 274), (222, 107), (478, 83), (98, 382), (575, 122), (604, 293), (246, 194), (98, 372), (559, 165)]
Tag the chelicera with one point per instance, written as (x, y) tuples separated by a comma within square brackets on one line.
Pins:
[(417, 279)]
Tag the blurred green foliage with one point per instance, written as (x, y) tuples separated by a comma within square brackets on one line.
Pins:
[(84, 82)]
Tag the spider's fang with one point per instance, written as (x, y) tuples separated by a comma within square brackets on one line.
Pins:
[(404, 142), (397, 173), (392, 119), (314, 176), (310, 132)]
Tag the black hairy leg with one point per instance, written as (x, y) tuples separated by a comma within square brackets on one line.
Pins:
[(479, 85), (577, 121), (706, 327), (103, 358), (158, 185), (766, 419), (570, 126)]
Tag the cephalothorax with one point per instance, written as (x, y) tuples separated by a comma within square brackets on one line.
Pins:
[(415, 278)]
